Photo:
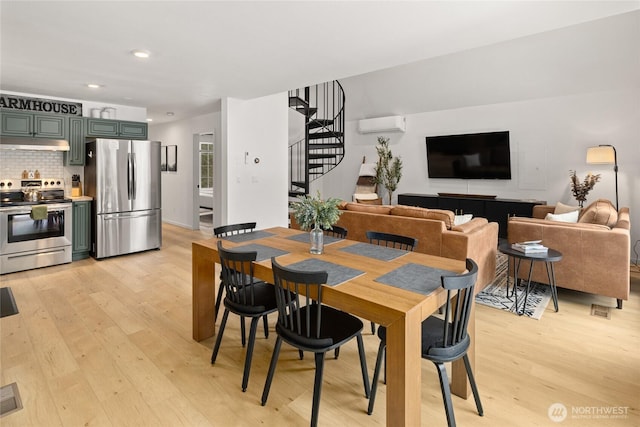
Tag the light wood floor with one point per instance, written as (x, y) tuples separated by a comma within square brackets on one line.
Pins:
[(109, 343)]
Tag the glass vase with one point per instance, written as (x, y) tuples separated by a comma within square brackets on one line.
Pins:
[(317, 243)]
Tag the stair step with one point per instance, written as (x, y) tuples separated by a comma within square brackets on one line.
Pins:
[(296, 101), (322, 156), (318, 123), (321, 135), (325, 146), (298, 184), (296, 193), (315, 165)]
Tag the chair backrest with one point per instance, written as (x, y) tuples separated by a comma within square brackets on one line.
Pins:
[(457, 311), (237, 275), (230, 230), (299, 300), (336, 231), (392, 240)]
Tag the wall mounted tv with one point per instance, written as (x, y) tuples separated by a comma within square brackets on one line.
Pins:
[(469, 156)]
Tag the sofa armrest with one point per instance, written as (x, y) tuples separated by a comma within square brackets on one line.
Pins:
[(541, 211)]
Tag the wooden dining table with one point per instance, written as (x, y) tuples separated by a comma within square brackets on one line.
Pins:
[(400, 310)]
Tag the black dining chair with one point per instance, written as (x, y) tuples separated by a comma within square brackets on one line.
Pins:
[(227, 231), (394, 241), (308, 325), (336, 231), (244, 297), (444, 340)]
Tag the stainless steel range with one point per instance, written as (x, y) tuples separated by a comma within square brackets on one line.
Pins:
[(32, 238)]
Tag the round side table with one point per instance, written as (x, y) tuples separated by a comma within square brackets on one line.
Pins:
[(548, 258)]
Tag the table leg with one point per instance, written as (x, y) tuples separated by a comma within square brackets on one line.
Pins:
[(551, 274), (203, 292), (404, 371), (526, 295)]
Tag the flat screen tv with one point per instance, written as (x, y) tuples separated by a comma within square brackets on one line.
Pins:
[(469, 156)]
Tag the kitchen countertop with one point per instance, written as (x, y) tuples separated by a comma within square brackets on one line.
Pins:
[(81, 198)]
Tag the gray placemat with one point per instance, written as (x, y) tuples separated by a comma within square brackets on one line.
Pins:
[(415, 277), (337, 273), (381, 253), (245, 237), (304, 237), (264, 252)]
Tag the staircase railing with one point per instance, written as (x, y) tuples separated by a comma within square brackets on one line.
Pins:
[(322, 149)]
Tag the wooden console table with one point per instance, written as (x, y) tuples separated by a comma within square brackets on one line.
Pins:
[(494, 209)]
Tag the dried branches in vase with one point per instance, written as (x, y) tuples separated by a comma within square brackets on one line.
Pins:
[(581, 189)]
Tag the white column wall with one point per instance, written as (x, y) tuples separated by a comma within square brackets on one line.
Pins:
[(254, 191)]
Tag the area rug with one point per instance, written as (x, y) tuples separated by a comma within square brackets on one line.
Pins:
[(494, 295)]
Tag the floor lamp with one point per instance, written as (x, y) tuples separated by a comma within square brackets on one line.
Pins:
[(604, 155)]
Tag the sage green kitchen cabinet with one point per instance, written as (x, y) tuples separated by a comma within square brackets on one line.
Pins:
[(75, 155), (105, 128), (34, 125), (81, 241)]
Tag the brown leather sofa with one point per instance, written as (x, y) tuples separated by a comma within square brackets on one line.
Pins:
[(596, 250), (434, 229)]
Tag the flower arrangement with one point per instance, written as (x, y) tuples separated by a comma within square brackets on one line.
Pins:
[(388, 168), (581, 189), (313, 211)]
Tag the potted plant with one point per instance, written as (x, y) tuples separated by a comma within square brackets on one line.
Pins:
[(581, 189), (388, 168), (315, 214)]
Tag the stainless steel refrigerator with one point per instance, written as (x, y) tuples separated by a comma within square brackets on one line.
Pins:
[(123, 177)]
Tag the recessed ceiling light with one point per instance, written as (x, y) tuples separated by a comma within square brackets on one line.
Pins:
[(149, 120), (140, 53), (93, 86), (170, 113)]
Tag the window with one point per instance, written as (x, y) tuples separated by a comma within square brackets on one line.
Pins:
[(206, 165)]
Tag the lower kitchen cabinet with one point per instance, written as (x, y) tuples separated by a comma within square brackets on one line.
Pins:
[(81, 230)]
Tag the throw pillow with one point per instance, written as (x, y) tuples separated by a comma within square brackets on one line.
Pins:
[(600, 212), (563, 217), (561, 208)]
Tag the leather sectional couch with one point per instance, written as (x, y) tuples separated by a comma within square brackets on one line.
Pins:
[(434, 229), (596, 250)]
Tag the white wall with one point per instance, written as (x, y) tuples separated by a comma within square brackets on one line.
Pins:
[(177, 187), (557, 93), (254, 129)]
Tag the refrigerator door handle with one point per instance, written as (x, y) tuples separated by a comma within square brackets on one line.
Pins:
[(129, 176), (134, 187)]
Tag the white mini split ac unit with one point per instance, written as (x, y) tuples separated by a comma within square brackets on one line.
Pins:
[(382, 124)]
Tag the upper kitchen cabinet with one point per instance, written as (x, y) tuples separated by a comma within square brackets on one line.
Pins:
[(104, 128), (75, 155), (35, 125)]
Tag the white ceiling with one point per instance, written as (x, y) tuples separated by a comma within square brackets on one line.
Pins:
[(205, 50)]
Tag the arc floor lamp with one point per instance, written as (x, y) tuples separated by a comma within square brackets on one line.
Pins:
[(604, 155)]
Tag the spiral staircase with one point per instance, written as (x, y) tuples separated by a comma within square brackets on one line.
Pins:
[(322, 147)]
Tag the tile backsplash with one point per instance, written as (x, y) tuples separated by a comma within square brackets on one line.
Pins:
[(49, 163)]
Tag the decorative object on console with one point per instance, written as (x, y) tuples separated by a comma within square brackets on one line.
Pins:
[(581, 189), (388, 168), (315, 214), (604, 154)]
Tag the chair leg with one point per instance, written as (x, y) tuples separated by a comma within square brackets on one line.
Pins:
[(301, 354), (272, 369), (474, 387), (619, 304), (242, 332), (363, 366), (266, 326), (373, 328), (376, 374), (247, 360), (218, 300), (336, 352), (446, 394), (317, 388), (216, 347)]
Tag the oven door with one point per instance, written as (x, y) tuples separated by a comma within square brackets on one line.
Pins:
[(20, 233)]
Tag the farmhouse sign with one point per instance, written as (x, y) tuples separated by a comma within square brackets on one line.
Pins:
[(22, 103)]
